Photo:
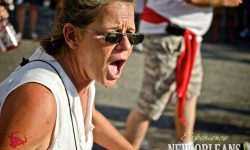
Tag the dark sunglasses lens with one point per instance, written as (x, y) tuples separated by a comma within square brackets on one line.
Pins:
[(113, 38), (135, 38)]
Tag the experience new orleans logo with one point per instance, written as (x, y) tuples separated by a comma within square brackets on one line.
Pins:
[(205, 147), (206, 138), (204, 143)]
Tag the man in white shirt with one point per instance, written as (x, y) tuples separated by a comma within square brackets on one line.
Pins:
[(173, 30)]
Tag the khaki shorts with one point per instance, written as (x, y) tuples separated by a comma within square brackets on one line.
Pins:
[(161, 53)]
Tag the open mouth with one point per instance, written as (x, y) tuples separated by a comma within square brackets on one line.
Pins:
[(115, 69)]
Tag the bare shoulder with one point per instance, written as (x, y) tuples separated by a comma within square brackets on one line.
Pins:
[(28, 114)]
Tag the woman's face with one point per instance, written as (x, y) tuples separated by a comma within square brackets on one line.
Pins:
[(102, 61)]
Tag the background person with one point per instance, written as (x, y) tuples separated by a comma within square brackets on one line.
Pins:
[(230, 24), (244, 20), (48, 103), (33, 14), (3, 13), (8, 37), (138, 10)]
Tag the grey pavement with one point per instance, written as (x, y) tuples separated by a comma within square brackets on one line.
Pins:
[(223, 108)]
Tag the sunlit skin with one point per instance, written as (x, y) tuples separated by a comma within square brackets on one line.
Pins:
[(93, 55)]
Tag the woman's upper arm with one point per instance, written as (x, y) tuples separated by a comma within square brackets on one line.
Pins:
[(27, 118)]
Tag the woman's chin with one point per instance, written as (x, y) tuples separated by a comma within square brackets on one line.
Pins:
[(109, 83)]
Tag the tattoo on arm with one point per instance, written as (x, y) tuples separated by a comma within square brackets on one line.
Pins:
[(16, 139)]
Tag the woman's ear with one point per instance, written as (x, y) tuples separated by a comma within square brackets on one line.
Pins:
[(70, 35)]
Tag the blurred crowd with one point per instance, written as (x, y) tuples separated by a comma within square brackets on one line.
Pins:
[(235, 23), (19, 10)]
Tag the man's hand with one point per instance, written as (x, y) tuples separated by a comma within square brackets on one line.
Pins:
[(232, 3)]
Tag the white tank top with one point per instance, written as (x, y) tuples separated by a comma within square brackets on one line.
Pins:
[(42, 73), (196, 19)]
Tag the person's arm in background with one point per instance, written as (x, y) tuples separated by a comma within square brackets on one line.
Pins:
[(215, 3), (3, 13), (106, 135)]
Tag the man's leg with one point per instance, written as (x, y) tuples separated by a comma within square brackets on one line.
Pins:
[(21, 17), (33, 20), (136, 128), (184, 133), (216, 24), (157, 86)]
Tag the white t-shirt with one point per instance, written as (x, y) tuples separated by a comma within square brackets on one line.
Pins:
[(42, 73), (196, 19)]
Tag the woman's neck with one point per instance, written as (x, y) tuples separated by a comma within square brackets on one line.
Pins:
[(72, 68)]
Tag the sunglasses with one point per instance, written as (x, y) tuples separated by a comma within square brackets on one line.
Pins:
[(116, 37)]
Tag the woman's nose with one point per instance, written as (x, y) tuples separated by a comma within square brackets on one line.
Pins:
[(125, 44)]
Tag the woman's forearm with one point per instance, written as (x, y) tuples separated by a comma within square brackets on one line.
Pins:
[(107, 136)]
